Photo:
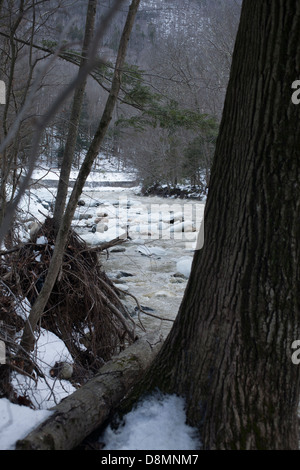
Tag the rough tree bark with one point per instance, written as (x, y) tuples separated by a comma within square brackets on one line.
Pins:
[(229, 351), (28, 339)]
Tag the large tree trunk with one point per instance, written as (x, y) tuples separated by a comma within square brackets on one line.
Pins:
[(229, 351)]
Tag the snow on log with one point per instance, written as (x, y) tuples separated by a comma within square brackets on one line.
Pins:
[(75, 417)]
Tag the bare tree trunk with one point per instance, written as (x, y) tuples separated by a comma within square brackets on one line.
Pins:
[(63, 184), (229, 351), (39, 125), (5, 157), (28, 340)]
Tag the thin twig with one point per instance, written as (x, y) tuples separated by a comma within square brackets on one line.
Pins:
[(21, 371), (119, 301), (11, 250), (143, 311)]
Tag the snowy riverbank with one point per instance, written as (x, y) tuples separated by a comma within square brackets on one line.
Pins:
[(153, 265)]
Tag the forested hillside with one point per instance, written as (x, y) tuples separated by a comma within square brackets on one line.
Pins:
[(166, 120)]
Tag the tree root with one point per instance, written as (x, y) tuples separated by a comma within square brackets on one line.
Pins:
[(84, 308)]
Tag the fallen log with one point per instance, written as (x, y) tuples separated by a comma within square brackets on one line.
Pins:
[(87, 409)]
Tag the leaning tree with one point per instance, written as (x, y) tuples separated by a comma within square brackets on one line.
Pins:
[(229, 351), (28, 338)]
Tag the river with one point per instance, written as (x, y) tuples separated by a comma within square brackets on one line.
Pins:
[(154, 263)]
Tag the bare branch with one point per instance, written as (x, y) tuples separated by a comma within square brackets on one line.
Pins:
[(41, 123)]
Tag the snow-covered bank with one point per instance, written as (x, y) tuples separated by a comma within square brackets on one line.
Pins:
[(151, 425), (182, 191), (108, 170), (153, 265), (17, 421)]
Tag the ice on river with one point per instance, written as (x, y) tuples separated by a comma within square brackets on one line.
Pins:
[(159, 252), (158, 255)]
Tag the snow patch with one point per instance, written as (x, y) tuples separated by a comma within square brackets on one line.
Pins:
[(42, 240), (157, 423), (48, 391), (184, 265), (17, 421)]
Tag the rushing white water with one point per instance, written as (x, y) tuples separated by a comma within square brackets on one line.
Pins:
[(162, 238), (163, 235)]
